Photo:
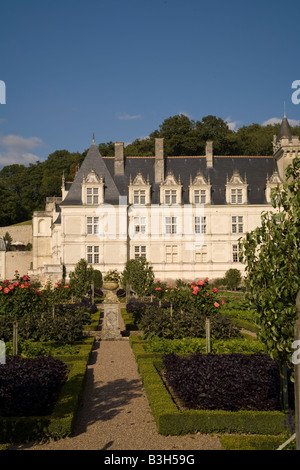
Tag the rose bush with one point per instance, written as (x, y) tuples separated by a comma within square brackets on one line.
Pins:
[(20, 296), (205, 299)]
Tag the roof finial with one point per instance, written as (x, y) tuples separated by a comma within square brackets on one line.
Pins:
[(93, 139), (284, 110)]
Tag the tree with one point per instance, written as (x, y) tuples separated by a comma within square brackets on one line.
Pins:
[(232, 278), (9, 208), (271, 253), (80, 279), (97, 278), (139, 275), (8, 240)]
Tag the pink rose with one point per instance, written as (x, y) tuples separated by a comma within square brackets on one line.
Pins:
[(216, 304), (215, 289), (200, 283), (158, 288)]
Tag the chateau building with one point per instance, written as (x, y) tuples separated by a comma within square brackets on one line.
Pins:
[(184, 214)]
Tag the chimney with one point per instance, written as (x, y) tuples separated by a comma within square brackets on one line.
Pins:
[(119, 158), (159, 160), (209, 154)]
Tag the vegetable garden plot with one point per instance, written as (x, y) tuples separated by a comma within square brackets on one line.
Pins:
[(228, 382)]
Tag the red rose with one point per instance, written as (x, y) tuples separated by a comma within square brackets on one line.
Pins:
[(215, 289), (216, 304), (6, 290), (200, 283)]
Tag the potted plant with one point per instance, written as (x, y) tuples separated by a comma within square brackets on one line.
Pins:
[(111, 280)]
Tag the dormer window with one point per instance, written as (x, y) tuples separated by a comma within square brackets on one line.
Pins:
[(170, 196), (200, 190), (200, 196), (92, 189), (236, 189), (170, 190), (139, 196), (92, 195), (236, 196), (272, 183), (139, 191)]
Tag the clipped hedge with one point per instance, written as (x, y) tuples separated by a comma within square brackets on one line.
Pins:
[(171, 421), (60, 422), (129, 321), (192, 345)]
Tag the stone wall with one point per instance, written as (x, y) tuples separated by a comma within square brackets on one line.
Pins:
[(19, 233), (17, 260)]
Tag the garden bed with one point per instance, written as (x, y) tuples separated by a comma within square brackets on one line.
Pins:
[(170, 420), (59, 423)]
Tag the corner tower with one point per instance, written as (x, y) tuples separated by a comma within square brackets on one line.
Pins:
[(286, 147)]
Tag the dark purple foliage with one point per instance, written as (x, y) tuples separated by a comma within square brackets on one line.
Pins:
[(30, 386), (229, 382)]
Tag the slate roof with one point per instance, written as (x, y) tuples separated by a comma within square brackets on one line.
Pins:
[(285, 130), (92, 161), (255, 169)]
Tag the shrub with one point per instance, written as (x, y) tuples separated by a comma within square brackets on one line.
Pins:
[(80, 279), (161, 322), (30, 386), (232, 278), (45, 327), (229, 382), (97, 278), (19, 297), (138, 274)]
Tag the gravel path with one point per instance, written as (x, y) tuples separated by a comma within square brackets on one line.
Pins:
[(115, 414)]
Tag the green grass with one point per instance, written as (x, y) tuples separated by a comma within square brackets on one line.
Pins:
[(26, 222), (252, 442)]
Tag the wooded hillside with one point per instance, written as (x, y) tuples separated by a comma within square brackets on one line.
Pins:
[(24, 189)]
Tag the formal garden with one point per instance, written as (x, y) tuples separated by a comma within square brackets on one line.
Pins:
[(212, 359), (202, 366)]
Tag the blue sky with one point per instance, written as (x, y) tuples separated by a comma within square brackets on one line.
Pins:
[(118, 68)]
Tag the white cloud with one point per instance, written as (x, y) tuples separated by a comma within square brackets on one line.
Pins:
[(275, 120), (233, 125), (271, 121), (183, 113), (18, 150), (128, 117)]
